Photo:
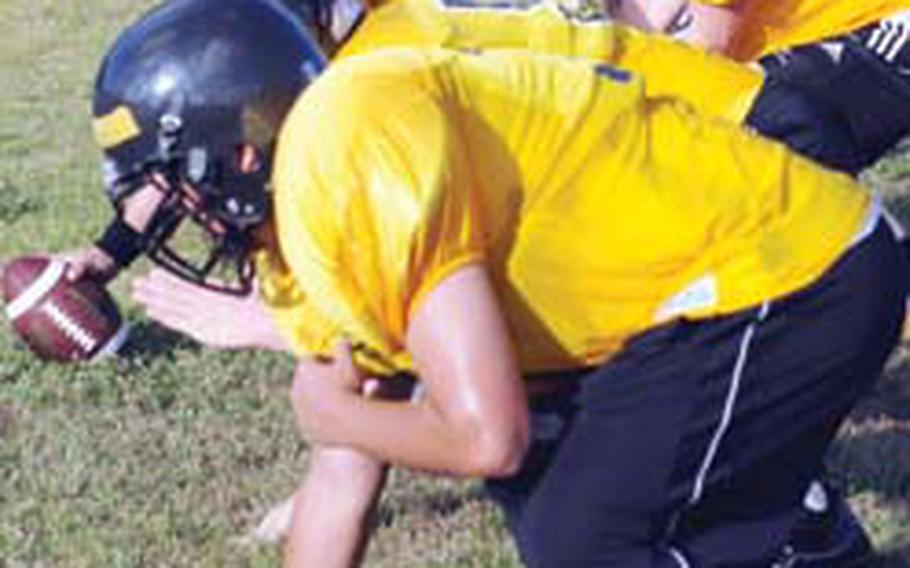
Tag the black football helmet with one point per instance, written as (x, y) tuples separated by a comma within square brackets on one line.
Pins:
[(181, 96)]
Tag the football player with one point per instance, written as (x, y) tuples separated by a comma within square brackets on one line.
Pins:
[(851, 56), (711, 84), (473, 218)]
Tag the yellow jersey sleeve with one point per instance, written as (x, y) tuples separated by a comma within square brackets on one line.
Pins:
[(366, 229), (768, 26), (304, 328)]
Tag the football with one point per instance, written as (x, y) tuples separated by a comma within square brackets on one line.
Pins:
[(60, 320)]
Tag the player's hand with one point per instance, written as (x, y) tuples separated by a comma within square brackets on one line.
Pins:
[(89, 262), (212, 318), (321, 389)]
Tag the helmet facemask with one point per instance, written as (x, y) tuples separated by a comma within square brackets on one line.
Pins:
[(211, 205)]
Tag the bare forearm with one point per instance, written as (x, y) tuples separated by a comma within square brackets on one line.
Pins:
[(332, 510), (474, 418), (266, 334), (419, 436), (213, 319)]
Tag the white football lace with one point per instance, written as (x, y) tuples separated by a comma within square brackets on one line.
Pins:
[(70, 328)]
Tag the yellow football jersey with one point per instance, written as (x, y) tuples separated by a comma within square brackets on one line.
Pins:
[(711, 83), (597, 212), (771, 25)]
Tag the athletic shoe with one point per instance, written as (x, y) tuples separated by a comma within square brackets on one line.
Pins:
[(828, 538)]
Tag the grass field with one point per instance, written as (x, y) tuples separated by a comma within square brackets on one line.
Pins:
[(169, 455)]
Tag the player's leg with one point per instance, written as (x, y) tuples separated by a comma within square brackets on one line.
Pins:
[(842, 103), (331, 517), (826, 342), (552, 401), (696, 445), (825, 532), (597, 503), (332, 509)]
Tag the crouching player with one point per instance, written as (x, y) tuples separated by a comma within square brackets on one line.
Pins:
[(849, 56), (530, 236)]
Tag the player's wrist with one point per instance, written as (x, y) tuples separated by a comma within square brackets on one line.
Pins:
[(102, 261), (120, 244)]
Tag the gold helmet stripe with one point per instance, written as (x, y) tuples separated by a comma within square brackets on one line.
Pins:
[(115, 128)]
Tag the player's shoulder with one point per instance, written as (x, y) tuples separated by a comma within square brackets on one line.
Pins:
[(360, 82), (375, 69), (357, 96)]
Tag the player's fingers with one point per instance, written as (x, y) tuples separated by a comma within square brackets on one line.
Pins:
[(343, 358), (183, 290), (167, 283), (157, 286), (157, 301), (170, 279), (82, 263), (78, 265), (142, 291), (74, 271), (343, 352), (156, 306), (175, 321)]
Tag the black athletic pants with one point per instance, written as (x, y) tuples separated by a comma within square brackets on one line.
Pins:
[(843, 101), (695, 445)]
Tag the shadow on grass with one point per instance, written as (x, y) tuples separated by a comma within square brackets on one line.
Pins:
[(150, 341), (430, 507)]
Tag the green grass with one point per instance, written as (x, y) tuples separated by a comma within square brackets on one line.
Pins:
[(170, 455)]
